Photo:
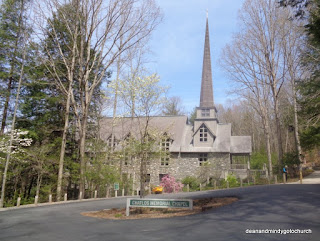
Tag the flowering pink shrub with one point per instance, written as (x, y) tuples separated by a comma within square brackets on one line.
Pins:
[(170, 185)]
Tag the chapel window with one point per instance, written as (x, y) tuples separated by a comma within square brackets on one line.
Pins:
[(205, 112), (203, 133), (111, 143), (165, 154), (203, 158)]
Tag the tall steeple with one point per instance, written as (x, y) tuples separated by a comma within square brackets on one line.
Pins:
[(206, 95)]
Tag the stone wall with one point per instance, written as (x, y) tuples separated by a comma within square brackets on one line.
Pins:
[(187, 164)]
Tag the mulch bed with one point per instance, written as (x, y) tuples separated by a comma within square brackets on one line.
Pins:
[(199, 205)]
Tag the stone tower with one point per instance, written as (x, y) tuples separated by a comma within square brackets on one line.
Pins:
[(205, 124)]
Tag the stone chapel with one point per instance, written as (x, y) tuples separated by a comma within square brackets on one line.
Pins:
[(204, 150)]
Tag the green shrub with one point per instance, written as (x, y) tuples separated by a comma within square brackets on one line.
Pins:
[(290, 159), (233, 182), (259, 158), (193, 183)]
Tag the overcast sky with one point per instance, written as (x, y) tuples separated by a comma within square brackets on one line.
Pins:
[(177, 46)]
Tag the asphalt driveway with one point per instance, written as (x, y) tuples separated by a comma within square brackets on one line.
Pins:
[(260, 207)]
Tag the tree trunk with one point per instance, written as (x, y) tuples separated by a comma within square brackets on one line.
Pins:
[(63, 144), (39, 180), (269, 152), (296, 126), (82, 141), (279, 135), (6, 104), (142, 176), (30, 187)]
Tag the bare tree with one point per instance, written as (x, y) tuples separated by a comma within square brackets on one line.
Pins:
[(292, 48), (264, 32), (94, 28), (129, 67), (239, 60), (265, 22)]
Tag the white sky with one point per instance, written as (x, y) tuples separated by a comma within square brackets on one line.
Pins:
[(177, 46)]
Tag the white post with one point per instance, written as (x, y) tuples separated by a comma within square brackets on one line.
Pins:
[(128, 207), (241, 182), (95, 194), (137, 192), (284, 178), (188, 188), (275, 179), (50, 198), (80, 195), (122, 192), (215, 184), (18, 201), (65, 197), (36, 200), (116, 193), (200, 186)]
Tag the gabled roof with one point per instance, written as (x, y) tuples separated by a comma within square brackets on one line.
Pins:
[(222, 142), (241, 144), (203, 124), (180, 132), (173, 126)]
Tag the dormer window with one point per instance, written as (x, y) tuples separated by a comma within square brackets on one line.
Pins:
[(205, 112), (203, 134)]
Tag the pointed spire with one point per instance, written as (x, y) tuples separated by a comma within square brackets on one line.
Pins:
[(206, 95)]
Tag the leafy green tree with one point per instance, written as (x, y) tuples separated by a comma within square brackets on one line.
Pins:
[(62, 68), (310, 88), (173, 106), (95, 28), (12, 29), (193, 115)]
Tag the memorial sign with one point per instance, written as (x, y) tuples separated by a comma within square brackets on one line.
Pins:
[(116, 186), (158, 203)]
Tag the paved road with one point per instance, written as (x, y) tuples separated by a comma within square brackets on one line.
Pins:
[(313, 178), (260, 207)]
